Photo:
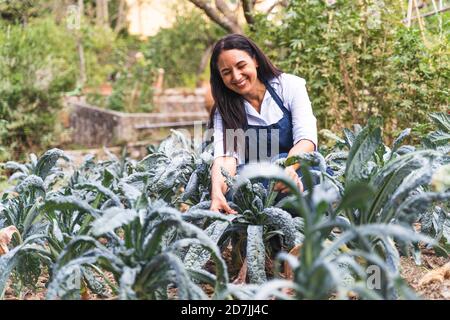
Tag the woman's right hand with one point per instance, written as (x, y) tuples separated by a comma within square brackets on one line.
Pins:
[(220, 204)]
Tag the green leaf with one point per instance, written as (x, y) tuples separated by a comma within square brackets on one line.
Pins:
[(205, 205), (15, 166), (130, 192), (10, 260), (99, 188), (191, 187), (108, 178), (411, 182), (127, 281), (417, 204), (256, 255), (112, 219), (392, 256), (282, 220), (197, 256), (439, 138), (202, 276), (68, 203), (356, 196), (97, 286), (7, 263), (442, 120), (186, 288), (397, 142), (221, 269), (349, 137), (152, 161), (363, 148), (310, 159), (31, 183), (47, 161), (66, 281), (152, 244), (264, 170), (394, 174), (194, 214)]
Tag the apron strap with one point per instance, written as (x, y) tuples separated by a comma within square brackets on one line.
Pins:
[(275, 96)]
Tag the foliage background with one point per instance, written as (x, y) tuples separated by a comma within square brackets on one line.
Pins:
[(179, 50), (40, 65), (35, 68), (359, 59)]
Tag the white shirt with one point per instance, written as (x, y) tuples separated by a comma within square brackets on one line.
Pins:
[(292, 90)]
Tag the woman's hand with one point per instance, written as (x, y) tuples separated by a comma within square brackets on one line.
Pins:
[(220, 204), (292, 173), (218, 185)]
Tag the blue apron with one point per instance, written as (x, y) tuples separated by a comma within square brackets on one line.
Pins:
[(285, 140), (283, 126)]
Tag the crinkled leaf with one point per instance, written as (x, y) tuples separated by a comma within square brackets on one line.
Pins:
[(282, 220), (47, 161), (197, 256), (362, 150), (31, 183), (99, 188), (256, 255), (112, 219), (402, 136)]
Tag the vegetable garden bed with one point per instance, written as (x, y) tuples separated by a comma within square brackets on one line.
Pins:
[(127, 229)]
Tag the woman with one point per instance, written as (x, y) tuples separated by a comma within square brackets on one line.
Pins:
[(251, 94)]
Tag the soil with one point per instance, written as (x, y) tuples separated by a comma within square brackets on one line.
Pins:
[(40, 292), (431, 280)]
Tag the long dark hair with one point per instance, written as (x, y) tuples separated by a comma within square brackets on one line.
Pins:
[(228, 103)]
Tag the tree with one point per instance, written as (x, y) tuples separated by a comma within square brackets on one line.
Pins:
[(226, 13), (220, 14), (120, 17), (102, 12)]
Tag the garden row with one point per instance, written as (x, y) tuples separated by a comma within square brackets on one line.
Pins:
[(116, 229)]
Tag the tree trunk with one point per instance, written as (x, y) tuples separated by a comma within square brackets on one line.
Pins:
[(80, 10), (101, 8), (283, 3), (121, 17), (218, 17), (59, 9), (98, 12), (82, 73), (105, 13), (203, 63), (223, 7), (247, 5)]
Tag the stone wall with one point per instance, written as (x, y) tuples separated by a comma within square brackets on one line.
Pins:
[(93, 127)]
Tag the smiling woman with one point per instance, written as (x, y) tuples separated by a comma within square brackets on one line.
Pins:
[(239, 73), (257, 108)]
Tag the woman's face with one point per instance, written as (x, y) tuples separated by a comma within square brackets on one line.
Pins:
[(238, 71)]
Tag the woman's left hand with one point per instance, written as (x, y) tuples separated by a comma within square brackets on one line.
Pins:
[(292, 173)]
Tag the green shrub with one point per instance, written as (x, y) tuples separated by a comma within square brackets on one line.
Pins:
[(133, 87), (40, 63), (36, 67), (360, 60), (179, 49)]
